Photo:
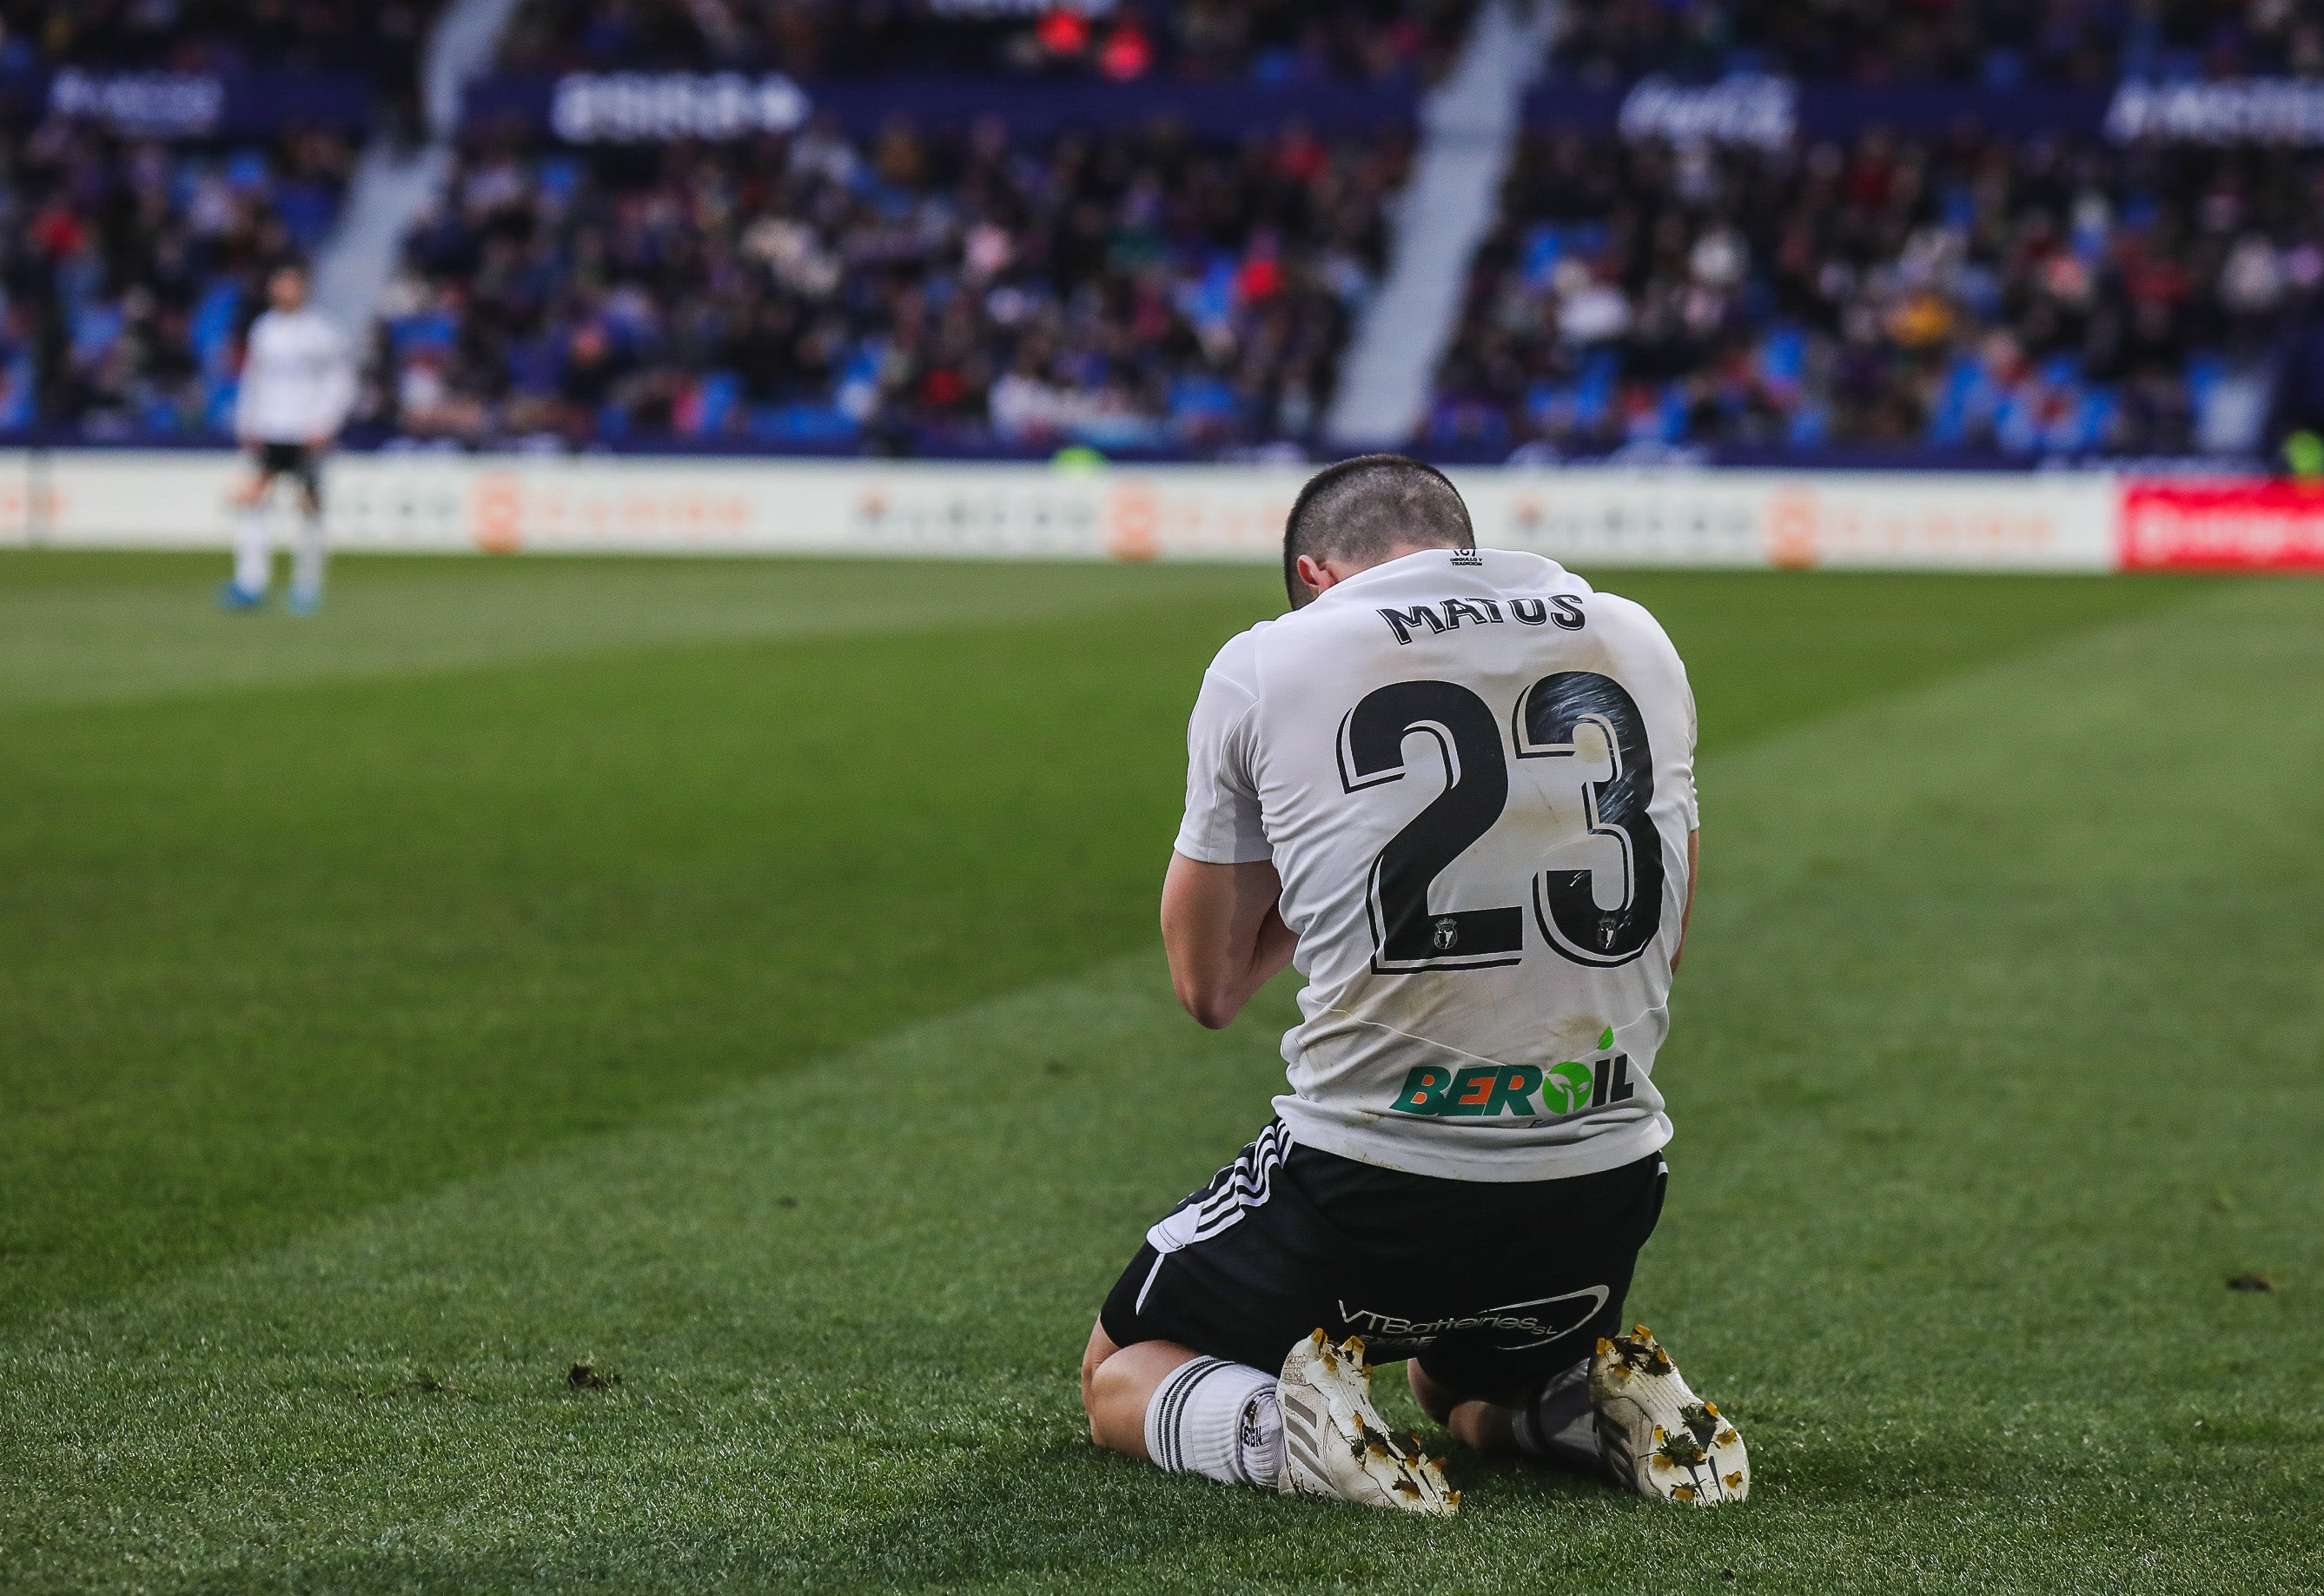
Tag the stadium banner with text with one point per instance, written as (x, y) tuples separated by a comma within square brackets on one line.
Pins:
[(646, 106), (2222, 526), (1743, 109), (1771, 112), (195, 106), (1589, 515)]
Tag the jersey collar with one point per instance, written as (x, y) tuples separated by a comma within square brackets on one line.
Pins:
[(1497, 568)]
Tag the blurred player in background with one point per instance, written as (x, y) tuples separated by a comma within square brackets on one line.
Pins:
[(1455, 787), (298, 380)]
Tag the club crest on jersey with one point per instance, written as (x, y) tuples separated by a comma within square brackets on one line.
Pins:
[(1446, 935), (1489, 1091)]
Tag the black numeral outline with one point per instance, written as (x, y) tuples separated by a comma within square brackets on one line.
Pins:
[(1565, 901)]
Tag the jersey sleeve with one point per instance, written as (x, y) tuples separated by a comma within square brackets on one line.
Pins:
[(1694, 808), (1690, 808), (1222, 824), (1660, 682)]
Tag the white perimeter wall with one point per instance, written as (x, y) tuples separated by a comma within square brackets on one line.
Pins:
[(1586, 515)]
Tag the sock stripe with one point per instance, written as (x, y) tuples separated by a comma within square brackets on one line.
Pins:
[(1180, 1384), (1203, 1368), (1166, 1426), (1218, 1418)]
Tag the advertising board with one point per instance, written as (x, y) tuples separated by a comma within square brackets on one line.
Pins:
[(2088, 521)]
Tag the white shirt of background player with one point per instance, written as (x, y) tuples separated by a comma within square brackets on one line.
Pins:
[(298, 385)]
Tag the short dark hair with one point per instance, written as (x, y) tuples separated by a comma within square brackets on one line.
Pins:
[(1360, 509)]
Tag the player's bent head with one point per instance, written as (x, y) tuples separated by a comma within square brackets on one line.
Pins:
[(1364, 510), (286, 287)]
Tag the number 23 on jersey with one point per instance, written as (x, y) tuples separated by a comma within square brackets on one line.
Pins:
[(1407, 935)]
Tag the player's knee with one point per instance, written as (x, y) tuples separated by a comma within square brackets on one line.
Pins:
[(1116, 1407), (1093, 1356), (1434, 1400)]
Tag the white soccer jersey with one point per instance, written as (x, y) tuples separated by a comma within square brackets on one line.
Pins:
[(1475, 776), (297, 379)]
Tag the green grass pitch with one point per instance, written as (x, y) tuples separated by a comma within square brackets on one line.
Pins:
[(741, 978)]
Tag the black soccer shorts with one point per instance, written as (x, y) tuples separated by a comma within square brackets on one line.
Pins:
[(1493, 1286), (296, 461)]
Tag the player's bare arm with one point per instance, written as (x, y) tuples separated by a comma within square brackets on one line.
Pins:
[(1224, 933)]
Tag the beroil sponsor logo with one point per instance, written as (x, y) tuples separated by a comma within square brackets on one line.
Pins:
[(1523, 1091)]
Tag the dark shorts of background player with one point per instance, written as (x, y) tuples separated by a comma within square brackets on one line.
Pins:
[(1494, 1286), (296, 461)]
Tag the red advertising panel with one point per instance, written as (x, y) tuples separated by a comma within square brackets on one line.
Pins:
[(2222, 526)]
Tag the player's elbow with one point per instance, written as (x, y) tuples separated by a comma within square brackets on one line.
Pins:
[(1212, 1007)]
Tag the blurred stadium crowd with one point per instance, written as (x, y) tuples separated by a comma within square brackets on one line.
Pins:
[(130, 269), (1952, 292), (941, 289), (1131, 289)]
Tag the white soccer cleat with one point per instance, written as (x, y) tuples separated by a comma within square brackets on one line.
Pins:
[(1660, 1439), (1334, 1444)]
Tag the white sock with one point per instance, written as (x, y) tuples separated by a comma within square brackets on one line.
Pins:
[(306, 559), (1217, 1419), (1559, 1424), (253, 559)]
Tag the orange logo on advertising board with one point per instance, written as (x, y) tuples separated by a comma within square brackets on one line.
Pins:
[(1133, 522), (30, 510), (1792, 541), (497, 516)]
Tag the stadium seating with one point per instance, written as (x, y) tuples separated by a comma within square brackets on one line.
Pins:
[(1953, 293), (131, 268), (931, 292)]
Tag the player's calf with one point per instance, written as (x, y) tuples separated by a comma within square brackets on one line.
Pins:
[(1172, 1407), (1554, 1424)]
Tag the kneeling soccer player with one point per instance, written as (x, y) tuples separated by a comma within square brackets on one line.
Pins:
[(1455, 787)]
